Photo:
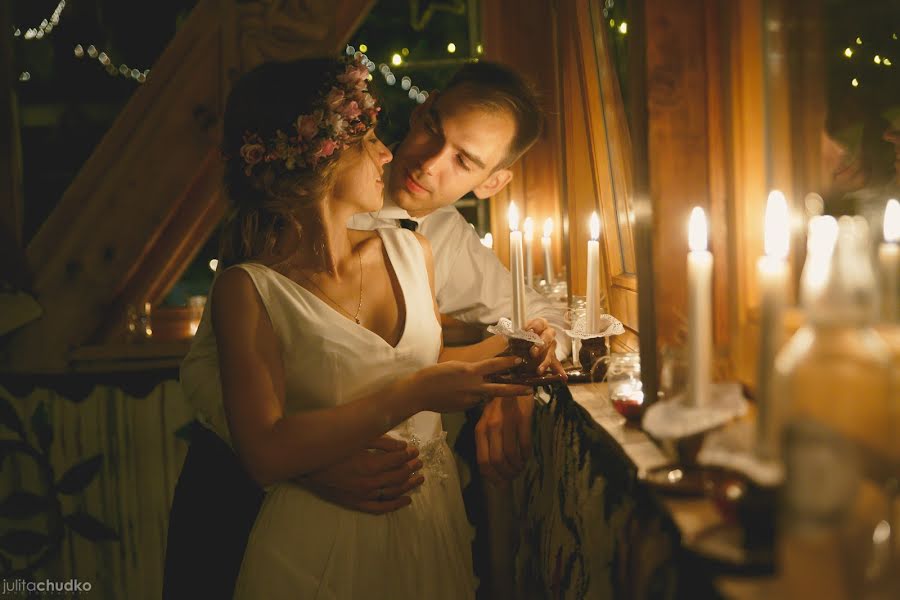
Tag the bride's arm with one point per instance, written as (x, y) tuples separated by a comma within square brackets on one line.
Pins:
[(486, 348), (277, 447), (272, 445)]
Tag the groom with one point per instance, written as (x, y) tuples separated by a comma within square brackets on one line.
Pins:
[(460, 140), (464, 139)]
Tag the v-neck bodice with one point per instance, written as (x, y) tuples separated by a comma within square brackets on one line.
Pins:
[(328, 359), (402, 305)]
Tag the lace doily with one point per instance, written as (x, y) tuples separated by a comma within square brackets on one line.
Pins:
[(732, 447), (608, 325), (673, 419), (505, 327), (434, 453)]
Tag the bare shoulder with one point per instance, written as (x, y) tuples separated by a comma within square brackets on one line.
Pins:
[(234, 293)]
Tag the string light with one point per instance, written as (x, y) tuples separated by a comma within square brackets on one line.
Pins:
[(848, 52), (877, 59), (363, 48), (886, 62), (404, 51), (25, 76), (451, 47), (623, 28), (413, 92), (113, 70), (859, 41), (46, 26), (855, 82), (479, 49)]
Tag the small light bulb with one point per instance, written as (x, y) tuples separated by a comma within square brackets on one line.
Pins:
[(396, 59), (451, 47)]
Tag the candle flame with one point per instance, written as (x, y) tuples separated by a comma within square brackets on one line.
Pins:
[(529, 229), (777, 232), (697, 230), (595, 226), (513, 217), (488, 240), (892, 221), (548, 227)]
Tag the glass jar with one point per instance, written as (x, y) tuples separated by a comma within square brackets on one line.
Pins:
[(833, 384)]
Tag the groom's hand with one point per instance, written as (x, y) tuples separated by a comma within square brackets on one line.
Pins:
[(373, 482), (547, 352), (503, 437)]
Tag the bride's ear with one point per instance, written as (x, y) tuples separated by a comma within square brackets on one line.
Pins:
[(493, 184)]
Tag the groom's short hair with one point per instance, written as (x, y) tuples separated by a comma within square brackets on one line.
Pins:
[(497, 87)]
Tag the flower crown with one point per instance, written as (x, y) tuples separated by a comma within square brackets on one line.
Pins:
[(343, 112)]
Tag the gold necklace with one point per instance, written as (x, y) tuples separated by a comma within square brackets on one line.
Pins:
[(341, 308)]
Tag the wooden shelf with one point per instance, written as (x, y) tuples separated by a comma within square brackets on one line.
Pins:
[(138, 356)]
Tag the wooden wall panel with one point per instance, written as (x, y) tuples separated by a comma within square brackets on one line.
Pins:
[(525, 40), (689, 157)]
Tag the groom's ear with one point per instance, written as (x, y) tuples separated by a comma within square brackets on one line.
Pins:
[(493, 184), (421, 109)]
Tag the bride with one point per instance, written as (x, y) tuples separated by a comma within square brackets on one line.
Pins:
[(325, 338)]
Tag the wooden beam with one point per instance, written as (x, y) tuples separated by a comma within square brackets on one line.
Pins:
[(150, 194)]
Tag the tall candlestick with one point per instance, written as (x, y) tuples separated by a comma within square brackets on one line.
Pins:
[(772, 277), (515, 264), (889, 262), (529, 262), (593, 277), (545, 245), (699, 270)]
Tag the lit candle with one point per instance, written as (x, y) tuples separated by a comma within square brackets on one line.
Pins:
[(593, 277), (529, 263), (488, 240), (889, 262), (545, 244), (772, 277), (515, 263), (699, 271)]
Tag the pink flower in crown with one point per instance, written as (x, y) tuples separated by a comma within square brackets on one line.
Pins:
[(308, 126), (337, 123), (350, 110), (326, 148), (353, 75), (252, 153), (334, 98), (368, 102)]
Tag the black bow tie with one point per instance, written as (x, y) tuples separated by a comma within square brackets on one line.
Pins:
[(409, 224)]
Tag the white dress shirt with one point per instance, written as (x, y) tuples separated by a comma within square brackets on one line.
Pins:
[(471, 284)]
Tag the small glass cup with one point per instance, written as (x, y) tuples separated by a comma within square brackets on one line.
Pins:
[(139, 325), (196, 305), (624, 381)]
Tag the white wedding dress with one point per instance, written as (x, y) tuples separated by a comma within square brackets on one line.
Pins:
[(304, 547)]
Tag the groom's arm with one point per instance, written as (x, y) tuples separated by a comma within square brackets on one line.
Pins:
[(471, 283)]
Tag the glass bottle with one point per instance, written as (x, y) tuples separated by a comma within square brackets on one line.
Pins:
[(833, 379)]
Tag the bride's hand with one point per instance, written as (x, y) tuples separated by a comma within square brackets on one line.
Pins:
[(456, 386)]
